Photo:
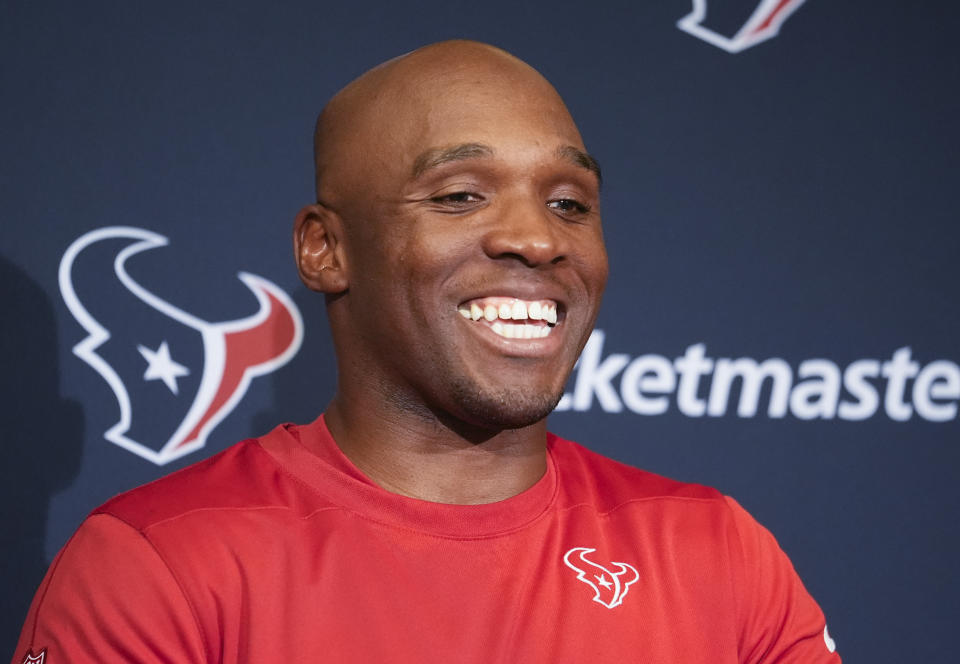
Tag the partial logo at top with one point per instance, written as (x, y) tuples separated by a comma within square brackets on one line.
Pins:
[(175, 375), (735, 26)]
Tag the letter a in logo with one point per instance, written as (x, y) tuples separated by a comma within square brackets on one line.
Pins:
[(609, 587)]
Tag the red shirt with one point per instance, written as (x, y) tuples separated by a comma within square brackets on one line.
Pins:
[(280, 550)]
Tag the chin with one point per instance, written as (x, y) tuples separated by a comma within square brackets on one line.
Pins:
[(504, 409)]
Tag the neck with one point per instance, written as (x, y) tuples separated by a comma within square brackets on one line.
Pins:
[(437, 458)]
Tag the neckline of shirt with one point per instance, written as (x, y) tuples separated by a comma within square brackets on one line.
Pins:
[(310, 453)]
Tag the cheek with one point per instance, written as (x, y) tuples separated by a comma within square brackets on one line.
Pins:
[(434, 251), (593, 269), (603, 271), (377, 253), (596, 262)]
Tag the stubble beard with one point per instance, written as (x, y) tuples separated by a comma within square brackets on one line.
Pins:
[(504, 408)]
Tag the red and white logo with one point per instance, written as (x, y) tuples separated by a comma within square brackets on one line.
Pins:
[(30, 658), (609, 586), (762, 24), (175, 376)]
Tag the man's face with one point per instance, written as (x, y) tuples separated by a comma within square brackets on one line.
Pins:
[(476, 259)]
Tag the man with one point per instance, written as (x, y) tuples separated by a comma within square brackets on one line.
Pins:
[(428, 516)]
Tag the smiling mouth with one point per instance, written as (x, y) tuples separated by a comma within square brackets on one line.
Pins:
[(512, 317)]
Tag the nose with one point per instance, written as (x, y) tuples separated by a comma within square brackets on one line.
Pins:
[(526, 230)]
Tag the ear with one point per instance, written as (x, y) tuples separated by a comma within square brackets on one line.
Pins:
[(319, 250)]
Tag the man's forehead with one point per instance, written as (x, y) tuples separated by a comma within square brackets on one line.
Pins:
[(423, 106)]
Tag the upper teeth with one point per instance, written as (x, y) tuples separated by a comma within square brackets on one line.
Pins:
[(492, 309)]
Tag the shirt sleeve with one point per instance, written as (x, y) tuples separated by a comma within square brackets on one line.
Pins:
[(780, 622), (109, 597)]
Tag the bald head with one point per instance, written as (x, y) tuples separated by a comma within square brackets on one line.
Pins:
[(378, 120)]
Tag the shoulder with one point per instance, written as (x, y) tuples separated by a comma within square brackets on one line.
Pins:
[(244, 476), (106, 589), (611, 483)]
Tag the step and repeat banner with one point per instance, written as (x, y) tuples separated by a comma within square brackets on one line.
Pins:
[(779, 205)]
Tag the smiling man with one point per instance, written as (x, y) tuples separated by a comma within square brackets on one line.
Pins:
[(428, 515), (457, 236)]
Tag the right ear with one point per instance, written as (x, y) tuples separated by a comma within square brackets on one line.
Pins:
[(319, 251)]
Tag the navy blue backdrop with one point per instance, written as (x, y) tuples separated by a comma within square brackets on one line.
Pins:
[(779, 205)]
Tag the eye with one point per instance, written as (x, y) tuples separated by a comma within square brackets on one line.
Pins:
[(569, 206), (457, 199)]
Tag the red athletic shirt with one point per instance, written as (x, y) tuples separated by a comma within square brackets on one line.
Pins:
[(280, 550)]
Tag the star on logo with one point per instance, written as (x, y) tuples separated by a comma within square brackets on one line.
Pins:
[(602, 581), (160, 366)]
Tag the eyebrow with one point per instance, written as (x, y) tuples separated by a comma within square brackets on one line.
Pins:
[(580, 158), (438, 156)]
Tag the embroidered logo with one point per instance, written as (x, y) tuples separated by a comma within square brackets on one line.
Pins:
[(609, 587), (30, 658)]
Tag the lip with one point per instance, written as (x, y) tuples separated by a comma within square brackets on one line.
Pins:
[(520, 348), (527, 287), (521, 290), (529, 348)]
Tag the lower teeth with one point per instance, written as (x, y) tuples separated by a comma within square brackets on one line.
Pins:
[(521, 331)]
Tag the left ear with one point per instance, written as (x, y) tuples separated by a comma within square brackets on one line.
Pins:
[(319, 250)]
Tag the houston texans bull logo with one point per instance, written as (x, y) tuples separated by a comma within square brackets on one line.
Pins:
[(609, 587), (757, 22), (187, 374)]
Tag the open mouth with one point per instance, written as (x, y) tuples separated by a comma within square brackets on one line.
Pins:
[(512, 317)]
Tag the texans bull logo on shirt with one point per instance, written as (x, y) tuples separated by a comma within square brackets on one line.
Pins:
[(735, 25), (609, 586), (175, 376)]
